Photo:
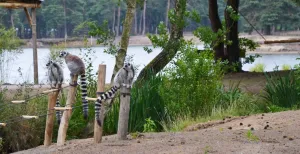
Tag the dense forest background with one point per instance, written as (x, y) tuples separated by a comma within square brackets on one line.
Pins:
[(59, 18)]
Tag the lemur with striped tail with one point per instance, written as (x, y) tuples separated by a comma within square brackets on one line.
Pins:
[(77, 67), (125, 73), (56, 77)]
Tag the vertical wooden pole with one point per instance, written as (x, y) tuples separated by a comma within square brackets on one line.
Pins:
[(100, 88), (124, 112), (64, 123), (35, 60), (52, 97)]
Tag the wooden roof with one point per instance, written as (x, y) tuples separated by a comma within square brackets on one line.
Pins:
[(14, 4)]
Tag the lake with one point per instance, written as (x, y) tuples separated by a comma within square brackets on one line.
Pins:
[(140, 58)]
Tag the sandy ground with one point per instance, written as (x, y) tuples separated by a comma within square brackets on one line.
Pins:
[(276, 133)]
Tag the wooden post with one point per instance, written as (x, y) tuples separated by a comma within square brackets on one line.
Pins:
[(52, 97), (34, 45), (64, 123), (124, 112), (100, 88)]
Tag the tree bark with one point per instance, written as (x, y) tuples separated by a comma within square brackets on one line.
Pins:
[(120, 57), (216, 25), (144, 17), (167, 11), (65, 21), (114, 21), (11, 18), (173, 45), (135, 23), (233, 50), (118, 21)]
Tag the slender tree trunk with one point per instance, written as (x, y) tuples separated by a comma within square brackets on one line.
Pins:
[(141, 21), (11, 13), (135, 22), (167, 11), (231, 25), (114, 21), (120, 57), (118, 22), (144, 17), (172, 46), (65, 20), (216, 25)]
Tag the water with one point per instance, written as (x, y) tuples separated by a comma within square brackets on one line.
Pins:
[(140, 58)]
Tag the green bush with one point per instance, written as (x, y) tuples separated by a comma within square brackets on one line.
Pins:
[(259, 67), (281, 90)]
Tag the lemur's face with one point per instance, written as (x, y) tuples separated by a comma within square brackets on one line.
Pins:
[(63, 54), (49, 63), (128, 66)]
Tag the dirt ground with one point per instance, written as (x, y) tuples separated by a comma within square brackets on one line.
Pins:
[(276, 133)]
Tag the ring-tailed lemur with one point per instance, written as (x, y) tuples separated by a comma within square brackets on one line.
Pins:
[(56, 77), (77, 67), (55, 73), (58, 113), (125, 73)]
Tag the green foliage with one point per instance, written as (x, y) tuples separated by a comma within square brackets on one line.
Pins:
[(282, 90), (159, 40), (286, 67), (194, 78), (259, 67), (251, 137), (149, 125)]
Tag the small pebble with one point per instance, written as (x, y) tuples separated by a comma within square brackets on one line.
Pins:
[(252, 128), (241, 124), (229, 127), (249, 125), (290, 138), (172, 144), (138, 141), (267, 122), (284, 136), (262, 114)]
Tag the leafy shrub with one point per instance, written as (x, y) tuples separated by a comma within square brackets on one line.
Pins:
[(259, 67), (286, 67), (281, 90)]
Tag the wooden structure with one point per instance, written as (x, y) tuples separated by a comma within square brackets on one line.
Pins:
[(98, 131), (124, 112), (33, 4)]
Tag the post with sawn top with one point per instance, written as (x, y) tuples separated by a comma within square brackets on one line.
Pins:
[(98, 130), (124, 111)]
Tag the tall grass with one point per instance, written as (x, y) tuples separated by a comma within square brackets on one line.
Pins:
[(282, 90)]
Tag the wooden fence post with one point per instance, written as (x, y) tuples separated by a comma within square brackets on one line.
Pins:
[(100, 89), (64, 123), (124, 112), (52, 97)]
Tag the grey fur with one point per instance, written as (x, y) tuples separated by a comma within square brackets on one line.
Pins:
[(126, 73), (55, 72)]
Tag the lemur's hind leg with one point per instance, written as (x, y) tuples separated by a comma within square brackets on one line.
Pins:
[(73, 83)]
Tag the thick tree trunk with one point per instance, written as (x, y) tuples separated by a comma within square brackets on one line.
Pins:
[(144, 17), (120, 57), (173, 45), (118, 21), (231, 25), (216, 25)]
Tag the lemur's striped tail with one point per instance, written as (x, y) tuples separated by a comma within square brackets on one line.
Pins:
[(84, 95), (58, 113), (107, 95)]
